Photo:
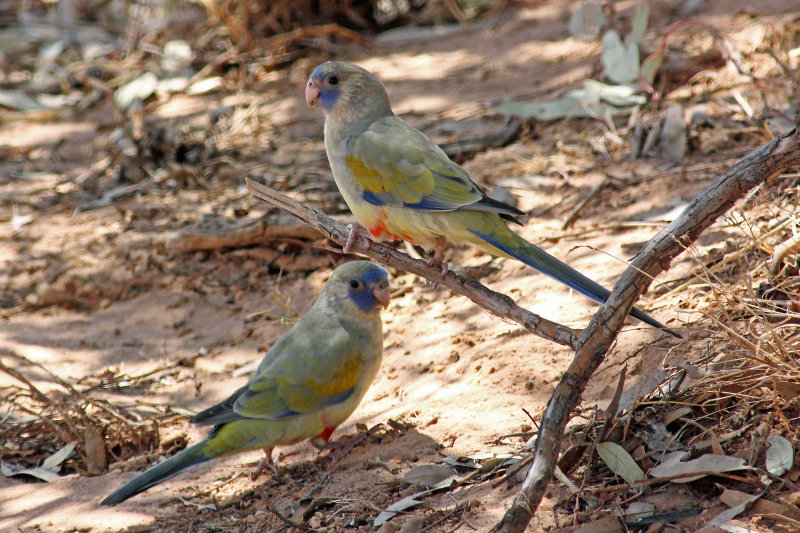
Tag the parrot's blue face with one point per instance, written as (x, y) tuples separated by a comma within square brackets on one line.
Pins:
[(323, 88), (347, 92), (369, 289)]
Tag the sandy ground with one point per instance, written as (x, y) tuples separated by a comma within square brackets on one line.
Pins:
[(458, 378)]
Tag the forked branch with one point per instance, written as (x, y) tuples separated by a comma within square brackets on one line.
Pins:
[(770, 160)]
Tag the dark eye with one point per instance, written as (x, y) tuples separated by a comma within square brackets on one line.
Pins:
[(333, 80), (354, 283)]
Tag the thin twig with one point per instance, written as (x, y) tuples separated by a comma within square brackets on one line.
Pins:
[(573, 216), (219, 486), (288, 521), (495, 302)]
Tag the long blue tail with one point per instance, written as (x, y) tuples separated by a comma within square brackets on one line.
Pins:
[(164, 470), (515, 246)]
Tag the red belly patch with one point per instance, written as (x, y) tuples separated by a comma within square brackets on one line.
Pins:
[(379, 229), (325, 436)]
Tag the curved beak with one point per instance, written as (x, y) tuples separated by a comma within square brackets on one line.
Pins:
[(381, 293), (312, 92)]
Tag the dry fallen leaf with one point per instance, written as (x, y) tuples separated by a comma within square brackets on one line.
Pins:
[(53, 463), (780, 455), (49, 469), (620, 462), (621, 61), (12, 469), (643, 386), (406, 503), (731, 513), (586, 21), (429, 475), (712, 463)]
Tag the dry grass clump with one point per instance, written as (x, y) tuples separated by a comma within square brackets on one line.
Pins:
[(741, 390), (248, 21), (36, 423)]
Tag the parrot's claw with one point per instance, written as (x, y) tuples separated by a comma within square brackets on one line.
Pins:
[(441, 265), (438, 256), (355, 232), (265, 463)]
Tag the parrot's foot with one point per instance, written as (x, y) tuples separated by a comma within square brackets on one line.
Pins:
[(438, 256), (356, 231), (441, 265), (265, 463)]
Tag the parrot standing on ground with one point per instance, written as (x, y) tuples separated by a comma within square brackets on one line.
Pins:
[(308, 383), (401, 186)]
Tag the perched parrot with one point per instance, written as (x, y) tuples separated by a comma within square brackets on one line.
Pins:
[(401, 186), (308, 383)]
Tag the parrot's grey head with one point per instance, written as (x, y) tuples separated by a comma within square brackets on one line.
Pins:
[(346, 92), (363, 283)]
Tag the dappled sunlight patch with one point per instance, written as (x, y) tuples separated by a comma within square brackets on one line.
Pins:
[(23, 505), (405, 67), (116, 277), (728, 412)]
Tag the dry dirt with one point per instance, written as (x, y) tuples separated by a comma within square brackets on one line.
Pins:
[(87, 290)]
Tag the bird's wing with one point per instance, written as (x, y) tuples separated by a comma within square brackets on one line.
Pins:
[(309, 373), (395, 164)]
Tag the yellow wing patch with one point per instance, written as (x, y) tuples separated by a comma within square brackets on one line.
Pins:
[(391, 183), (343, 379), (369, 179)]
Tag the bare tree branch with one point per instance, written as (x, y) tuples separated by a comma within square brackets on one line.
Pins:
[(760, 165), (499, 304), (771, 159)]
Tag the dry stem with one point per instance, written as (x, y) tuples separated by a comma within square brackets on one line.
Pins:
[(499, 304)]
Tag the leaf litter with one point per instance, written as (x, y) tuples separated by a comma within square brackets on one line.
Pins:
[(725, 418)]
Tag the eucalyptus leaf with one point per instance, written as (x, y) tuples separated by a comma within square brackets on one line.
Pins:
[(401, 505), (643, 386), (620, 461), (18, 100), (429, 475), (641, 13), (780, 455), (206, 85), (729, 514), (18, 220), (705, 463), (621, 61), (464, 462), (616, 95), (53, 463), (178, 55), (594, 99), (586, 21), (137, 89), (545, 110), (198, 506), (11, 470), (650, 66)]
